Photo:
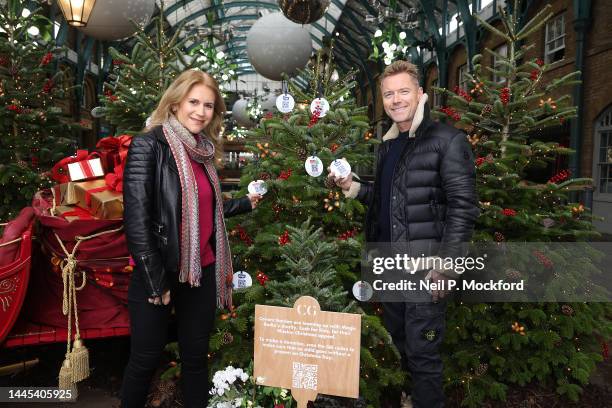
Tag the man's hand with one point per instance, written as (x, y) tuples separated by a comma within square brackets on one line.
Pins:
[(441, 281), (164, 300), (254, 199), (343, 183)]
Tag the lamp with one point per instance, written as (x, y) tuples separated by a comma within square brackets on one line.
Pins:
[(77, 12)]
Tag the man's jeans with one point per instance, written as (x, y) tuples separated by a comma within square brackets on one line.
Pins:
[(417, 330)]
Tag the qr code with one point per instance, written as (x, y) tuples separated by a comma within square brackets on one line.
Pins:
[(305, 376)]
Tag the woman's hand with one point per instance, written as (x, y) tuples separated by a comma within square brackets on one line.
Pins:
[(164, 300), (254, 199)]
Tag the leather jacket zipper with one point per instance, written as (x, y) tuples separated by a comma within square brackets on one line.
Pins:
[(142, 258)]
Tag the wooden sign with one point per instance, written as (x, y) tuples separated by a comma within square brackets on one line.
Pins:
[(307, 350)]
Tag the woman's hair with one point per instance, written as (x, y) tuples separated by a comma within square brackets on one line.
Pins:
[(177, 91)]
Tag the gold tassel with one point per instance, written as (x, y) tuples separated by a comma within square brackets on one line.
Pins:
[(79, 359), (65, 374)]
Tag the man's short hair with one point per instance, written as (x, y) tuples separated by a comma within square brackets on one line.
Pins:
[(399, 67)]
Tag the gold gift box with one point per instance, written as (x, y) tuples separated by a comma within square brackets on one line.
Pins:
[(62, 209), (64, 194), (105, 204)]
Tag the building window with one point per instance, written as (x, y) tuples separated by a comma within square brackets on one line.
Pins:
[(555, 39), (435, 95), (503, 51), (604, 154), (462, 79)]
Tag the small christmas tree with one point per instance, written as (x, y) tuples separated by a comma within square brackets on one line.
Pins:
[(138, 81), (502, 344), (34, 133)]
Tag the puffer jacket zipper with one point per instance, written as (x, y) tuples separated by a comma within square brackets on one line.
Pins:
[(408, 148)]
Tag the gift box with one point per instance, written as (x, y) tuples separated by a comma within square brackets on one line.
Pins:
[(64, 194), (71, 213), (99, 199), (113, 151), (60, 171), (85, 169)]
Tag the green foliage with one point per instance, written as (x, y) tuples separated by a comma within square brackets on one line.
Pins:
[(138, 80), (35, 134), (560, 343)]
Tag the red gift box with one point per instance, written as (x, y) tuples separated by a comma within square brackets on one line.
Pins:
[(85, 169), (113, 150), (60, 171)]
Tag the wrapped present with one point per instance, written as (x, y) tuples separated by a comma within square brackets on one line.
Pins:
[(113, 150), (99, 199), (71, 213), (64, 194), (60, 171), (85, 169)]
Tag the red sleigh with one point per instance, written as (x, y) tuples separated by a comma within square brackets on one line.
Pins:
[(14, 278), (31, 286)]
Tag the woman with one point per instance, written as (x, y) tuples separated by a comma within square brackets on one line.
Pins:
[(176, 235)]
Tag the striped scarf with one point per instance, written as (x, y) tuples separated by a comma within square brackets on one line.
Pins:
[(184, 146)]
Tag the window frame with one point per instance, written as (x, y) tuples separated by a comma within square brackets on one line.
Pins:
[(435, 95), (603, 125), (552, 24), (497, 49)]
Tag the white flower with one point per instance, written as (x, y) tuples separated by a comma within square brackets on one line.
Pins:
[(33, 31), (224, 77), (220, 391), (378, 33), (260, 380), (283, 392), (215, 65), (238, 402), (402, 35), (387, 61), (385, 44), (404, 48), (393, 47), (244, 377), (25, 13), (220, 55)]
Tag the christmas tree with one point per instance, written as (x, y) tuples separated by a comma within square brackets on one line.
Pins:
[(34, 133), (137, 81), (278, 228), (495, 346)]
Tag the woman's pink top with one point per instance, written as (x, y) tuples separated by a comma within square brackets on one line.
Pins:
[(205, 207)]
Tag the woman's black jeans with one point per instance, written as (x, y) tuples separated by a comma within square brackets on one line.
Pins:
[(195, 313)]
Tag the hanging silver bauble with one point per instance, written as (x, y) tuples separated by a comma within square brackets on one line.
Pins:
[(303, 11), (276, 45), (110, 19)]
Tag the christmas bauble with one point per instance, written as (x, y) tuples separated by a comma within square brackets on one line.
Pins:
[(303, 11), (276, 45), (240, 113), (110, 19)]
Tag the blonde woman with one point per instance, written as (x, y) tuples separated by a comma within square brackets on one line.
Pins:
[(174, 224)]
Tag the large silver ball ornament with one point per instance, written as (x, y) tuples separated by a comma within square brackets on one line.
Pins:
[(110, 19), (241, 114)]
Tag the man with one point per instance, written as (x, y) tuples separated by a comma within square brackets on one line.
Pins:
[(424, 195)]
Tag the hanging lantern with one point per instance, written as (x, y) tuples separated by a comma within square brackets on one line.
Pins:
[(77, 12)]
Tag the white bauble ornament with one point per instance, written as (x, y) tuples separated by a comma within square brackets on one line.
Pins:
[(276, 45), (240, 113), (313, 166), (340, 168), (242, 280), (285, 103), (110, 19)]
